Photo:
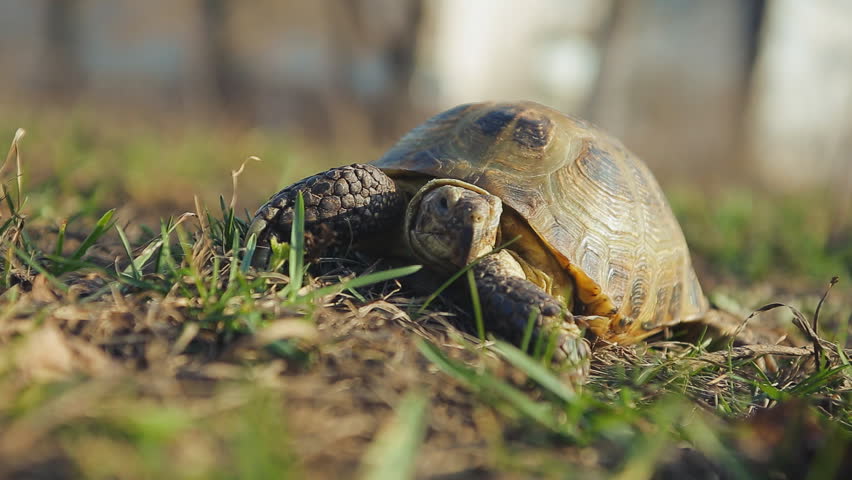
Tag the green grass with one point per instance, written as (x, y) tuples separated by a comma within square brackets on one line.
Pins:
[(758, 236), (131, 352), (393, 453)]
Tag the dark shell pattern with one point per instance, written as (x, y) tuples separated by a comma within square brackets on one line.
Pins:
[(593, 202)]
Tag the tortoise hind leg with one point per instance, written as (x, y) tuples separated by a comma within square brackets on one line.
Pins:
[(343, 204), (509, 300)]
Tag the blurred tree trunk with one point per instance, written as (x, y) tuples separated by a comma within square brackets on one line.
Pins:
[(61, 73), (227, 84), (801, 97), (674, 79), (603, 39), (375, 44), (402, 58)]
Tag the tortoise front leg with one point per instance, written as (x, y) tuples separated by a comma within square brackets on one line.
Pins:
[(450, 223), (509, 300), (344, 204)]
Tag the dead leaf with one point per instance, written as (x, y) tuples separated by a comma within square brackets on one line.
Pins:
[(48, 354), (283, 329), (45, 355), (43, 291)]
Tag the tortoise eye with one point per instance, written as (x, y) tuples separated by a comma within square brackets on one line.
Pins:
[(444, 204)]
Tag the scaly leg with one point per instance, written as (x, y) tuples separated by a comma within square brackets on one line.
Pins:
[(508, 302), (342, 205)]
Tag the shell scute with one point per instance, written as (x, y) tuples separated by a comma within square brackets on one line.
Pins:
[(495, 121), (602, 170), (533, 131)]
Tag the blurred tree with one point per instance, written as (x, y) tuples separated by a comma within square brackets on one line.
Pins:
[(674, 81), (402, 58), (61, 76), (228, 86), (801, 96), (375, 45)]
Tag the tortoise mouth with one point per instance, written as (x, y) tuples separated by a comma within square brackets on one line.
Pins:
[(450, 223)]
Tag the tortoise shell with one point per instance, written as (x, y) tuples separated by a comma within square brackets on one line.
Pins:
[(594, 204)]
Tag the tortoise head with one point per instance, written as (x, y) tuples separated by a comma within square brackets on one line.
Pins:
[(450, 223)]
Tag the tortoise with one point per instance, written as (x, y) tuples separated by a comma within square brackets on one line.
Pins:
[(596, 247)]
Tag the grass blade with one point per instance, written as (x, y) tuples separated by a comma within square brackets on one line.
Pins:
[(70, 265), (364, 280), (100, 228), (60, 239), (297, 247), (528, 330), (166, 250), (154, 246), (35, 266), (251, 245), (477, 308), (431, 298), (280, 254), (8, 223), (126, 243), (459, 273), (819, 379), (15, 152), (234, 258), (191, 263), (214, 275), (536, 371), (10, 203), (393, 453), (485, 382), (137, 263)]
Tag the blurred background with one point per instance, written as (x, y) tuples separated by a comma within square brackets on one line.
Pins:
[(148, 103)]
